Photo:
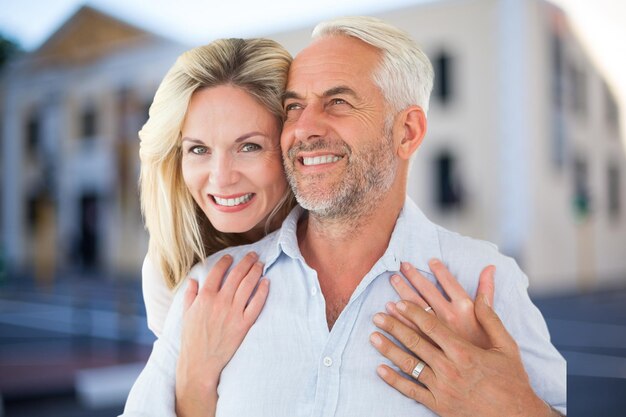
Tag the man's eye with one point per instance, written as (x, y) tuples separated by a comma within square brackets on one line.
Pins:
[(292, 106), (199, 150), (338, 101), (250, 147)]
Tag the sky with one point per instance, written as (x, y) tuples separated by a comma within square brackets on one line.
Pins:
[(600, 24)]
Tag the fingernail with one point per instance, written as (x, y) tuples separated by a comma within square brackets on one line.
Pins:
[(390, 306), (401, 305), (434, 262), (375, 339), (379, 319), (382, 371), (395, 279), (404, 266)]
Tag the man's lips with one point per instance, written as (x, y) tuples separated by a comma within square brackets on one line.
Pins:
[(319, 159)]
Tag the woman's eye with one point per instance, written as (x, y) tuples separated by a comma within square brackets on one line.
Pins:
[(250, 147), (199, 150)]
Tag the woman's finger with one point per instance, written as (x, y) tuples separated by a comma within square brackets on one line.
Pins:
[(236, 275), (257, 301), (393, 312), (447, 281), (406, 291), (191, 293), (247, 285), (408, 388), (498, 335), (403, 360), (427, 289), (486, 283), (216, 274), (412, 340), (434, 329)]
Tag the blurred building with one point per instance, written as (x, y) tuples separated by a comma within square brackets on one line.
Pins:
[(524, 146), (71, 112)]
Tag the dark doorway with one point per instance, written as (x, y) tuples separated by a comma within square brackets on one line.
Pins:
[(88, 250)]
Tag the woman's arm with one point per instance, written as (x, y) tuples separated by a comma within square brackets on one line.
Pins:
[(157, 296), (216, 318)]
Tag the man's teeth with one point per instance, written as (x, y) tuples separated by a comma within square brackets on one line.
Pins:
[(231, 202), (318, 160)]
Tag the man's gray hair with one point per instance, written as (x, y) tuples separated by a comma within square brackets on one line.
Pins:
[(405, 75)]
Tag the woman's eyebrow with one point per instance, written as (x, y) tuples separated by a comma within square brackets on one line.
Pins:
[(249, 135), (188, 139)]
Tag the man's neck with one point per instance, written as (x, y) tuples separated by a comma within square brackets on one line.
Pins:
[(343, 251)]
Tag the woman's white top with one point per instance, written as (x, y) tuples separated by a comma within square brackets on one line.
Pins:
[(156, 296)]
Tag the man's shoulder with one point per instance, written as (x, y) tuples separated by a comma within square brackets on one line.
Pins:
[(464, 253)]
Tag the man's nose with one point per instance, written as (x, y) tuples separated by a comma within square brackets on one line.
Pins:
[(311, 123)]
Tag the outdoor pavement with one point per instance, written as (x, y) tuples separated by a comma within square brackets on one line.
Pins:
[(74, 351)]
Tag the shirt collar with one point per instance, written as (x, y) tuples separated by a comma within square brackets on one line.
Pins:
[(414, 239)]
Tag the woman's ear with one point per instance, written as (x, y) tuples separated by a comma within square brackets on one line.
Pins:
[(414, 125)]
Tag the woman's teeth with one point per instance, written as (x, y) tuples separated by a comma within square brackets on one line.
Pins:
[(318, 160), (231, 202)]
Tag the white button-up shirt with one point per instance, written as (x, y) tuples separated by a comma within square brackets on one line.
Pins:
[(289, 364)]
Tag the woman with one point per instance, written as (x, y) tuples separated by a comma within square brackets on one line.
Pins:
[(212, 177)]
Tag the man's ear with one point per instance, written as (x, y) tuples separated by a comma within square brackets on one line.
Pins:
[(413, 126)]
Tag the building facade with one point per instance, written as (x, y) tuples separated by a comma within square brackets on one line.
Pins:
[(72, 110), (524, 146)]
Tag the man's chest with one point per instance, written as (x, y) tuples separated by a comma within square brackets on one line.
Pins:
[(290, 364)]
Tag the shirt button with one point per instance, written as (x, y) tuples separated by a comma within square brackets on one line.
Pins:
[(328, 361), (313, 290)]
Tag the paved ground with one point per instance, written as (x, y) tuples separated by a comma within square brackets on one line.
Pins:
[(54, 346)]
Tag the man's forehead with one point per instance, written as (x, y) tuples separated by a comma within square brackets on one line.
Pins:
[(333, 59)]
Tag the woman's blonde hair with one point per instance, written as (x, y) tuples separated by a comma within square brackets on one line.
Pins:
[(180, 233)]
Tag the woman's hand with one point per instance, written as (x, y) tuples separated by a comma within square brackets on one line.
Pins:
[(457, 378), (215, 321), (456, 311)]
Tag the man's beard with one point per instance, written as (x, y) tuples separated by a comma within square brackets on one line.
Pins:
[(369, 174)]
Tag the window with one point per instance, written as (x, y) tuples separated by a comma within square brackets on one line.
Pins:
[(582, 198), (556, 51), (33, 131), (614, 195), (443, 85), (611, 110), (89, 123), (577, 80), (448, 190)]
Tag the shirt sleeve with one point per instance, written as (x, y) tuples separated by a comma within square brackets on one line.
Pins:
[(545, 366), (154, 391), (156, 295)]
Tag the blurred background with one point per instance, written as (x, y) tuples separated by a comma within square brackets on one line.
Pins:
[(525, 149)]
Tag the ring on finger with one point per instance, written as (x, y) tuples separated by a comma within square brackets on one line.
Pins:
[(415, 373), (427, 309)]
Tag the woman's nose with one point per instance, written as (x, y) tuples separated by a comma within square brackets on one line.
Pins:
[(224, 172)]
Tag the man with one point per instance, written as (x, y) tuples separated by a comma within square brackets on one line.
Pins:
[(355, 114)]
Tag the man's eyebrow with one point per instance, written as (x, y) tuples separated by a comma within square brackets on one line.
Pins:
[(339, 90), (288, 94)]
